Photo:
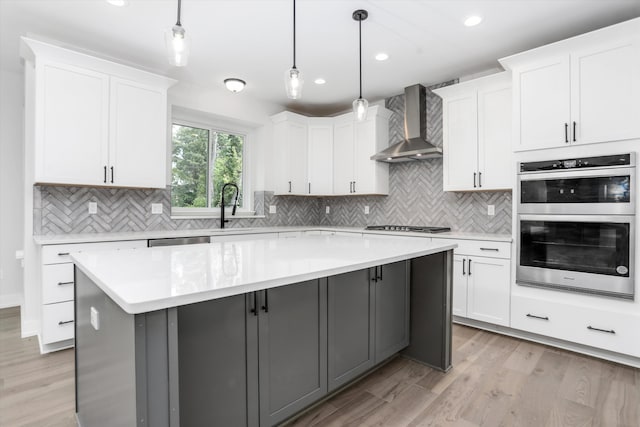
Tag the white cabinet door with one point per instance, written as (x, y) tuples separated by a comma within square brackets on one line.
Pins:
[(488, 293), (71, 130), (320, 158), (461, 142), (605, 86), (541, 108), (290, 141), (137, 137), (343, 150), (495, 164), (459, 301), (370, 176)]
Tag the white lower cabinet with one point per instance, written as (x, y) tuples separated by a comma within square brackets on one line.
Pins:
[(604, 329), (481, 280), (57, 279)]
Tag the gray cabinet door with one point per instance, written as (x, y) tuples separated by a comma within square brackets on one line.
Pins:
[(292, 349), (217, 359), (392, 309), (350, 308)]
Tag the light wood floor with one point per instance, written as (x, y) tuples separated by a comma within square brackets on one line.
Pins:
[(496, 381)]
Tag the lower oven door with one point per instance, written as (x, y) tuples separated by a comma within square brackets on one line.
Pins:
[(585, 253)]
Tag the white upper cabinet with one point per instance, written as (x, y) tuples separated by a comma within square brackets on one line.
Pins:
[(290, 142), (94, 122), (477, 134), (320, 156), (578, 91), (337, 152)]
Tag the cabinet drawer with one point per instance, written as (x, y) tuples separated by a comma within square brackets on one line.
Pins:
[(57, 283), (57, 322), (479, 247), (602, 329), (56, 254)]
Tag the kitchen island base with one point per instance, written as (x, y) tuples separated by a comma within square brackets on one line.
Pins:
[(254, 359)]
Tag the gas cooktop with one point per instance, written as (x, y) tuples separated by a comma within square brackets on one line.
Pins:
[(413, 228)]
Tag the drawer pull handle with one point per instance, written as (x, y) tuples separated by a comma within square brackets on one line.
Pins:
[(63, 253), (64, 322), (65, 283), (609, 331), (490, 249), (537, 317)]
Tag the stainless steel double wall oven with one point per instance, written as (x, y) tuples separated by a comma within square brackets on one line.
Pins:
[(576, 225)]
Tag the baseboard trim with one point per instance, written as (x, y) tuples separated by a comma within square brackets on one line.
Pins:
[(10, 300), (623, 359), (28, 328)]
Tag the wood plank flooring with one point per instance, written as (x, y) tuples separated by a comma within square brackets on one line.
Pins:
[(496, 381)]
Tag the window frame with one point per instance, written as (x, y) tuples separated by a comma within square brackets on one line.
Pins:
[(216, 126)]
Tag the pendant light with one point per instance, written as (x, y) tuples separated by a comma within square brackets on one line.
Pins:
[(293, 77), (177, 42), (360, 105)]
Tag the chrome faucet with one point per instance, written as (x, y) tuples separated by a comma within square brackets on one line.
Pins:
[(235, 202)]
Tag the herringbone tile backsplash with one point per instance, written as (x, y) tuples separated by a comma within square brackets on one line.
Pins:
[(415, 198)]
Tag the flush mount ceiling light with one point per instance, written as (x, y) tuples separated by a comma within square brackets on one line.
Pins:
[(235, 85), (360, 105), (118, 3), (293, 77), (381, 56), (319, 81), (472, 21), (177, 42)]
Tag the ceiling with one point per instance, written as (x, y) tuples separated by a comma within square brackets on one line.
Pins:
[(252, 39)]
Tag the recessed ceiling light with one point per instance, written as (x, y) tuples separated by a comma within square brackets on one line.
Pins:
[(234, 85), (118, 3), (382, 56), (472, 21), (319, 81)]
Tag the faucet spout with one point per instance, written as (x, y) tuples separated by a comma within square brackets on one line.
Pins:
[(222, 203)]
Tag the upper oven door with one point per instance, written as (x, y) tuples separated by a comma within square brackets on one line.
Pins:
[(600, 191)]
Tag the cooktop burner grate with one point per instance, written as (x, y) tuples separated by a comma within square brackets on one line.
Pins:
[(412, 228)]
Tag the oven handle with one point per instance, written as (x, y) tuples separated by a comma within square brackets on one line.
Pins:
[(578, 173), (611, 219)]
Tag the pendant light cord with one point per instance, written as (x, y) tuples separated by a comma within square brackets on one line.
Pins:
[(294, 34), (360, 47), (179, 7)]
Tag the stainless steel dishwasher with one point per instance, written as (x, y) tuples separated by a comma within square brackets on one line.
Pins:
[(175, 241)]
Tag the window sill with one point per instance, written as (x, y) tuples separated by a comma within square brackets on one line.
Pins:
[(200, 215)]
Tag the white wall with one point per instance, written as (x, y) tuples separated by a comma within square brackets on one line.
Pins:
[(11, 186)]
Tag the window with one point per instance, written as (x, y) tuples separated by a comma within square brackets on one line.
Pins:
[(203, 160)]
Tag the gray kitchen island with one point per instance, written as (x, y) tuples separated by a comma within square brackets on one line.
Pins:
[(250, 333)]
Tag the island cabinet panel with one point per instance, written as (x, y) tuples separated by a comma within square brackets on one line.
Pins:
[(292, 341), (392, 309), (214, 363), (351, 312)]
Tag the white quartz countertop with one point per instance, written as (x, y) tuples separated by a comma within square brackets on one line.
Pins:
[(147, 279), (57, 239)]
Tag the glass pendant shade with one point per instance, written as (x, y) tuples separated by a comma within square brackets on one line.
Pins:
[(178, 43), (293, 82), (360, 107)]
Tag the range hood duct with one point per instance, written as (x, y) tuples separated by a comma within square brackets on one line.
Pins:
[(415, 145)]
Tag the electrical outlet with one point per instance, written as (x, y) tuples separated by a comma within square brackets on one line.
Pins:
[(272, 209), (93, 208), (327, 210), (156, 208), (366, 210), (491, 210)]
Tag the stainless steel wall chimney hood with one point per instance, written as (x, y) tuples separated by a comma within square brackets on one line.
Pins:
[(415, 145)]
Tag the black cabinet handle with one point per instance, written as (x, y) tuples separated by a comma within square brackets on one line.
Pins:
[(574, 131), (354, 186), (537, 317), (105, 174), (380, 275), (609, 331), (265, 307), (64, 322), (464, 261), (254, 309), (469, 266), (373, 277), (566, 133), (480, 179), (65, 283), (63, 253), (489, 249), (309, 188), (289, 186), (112, 174), (474, 180)]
